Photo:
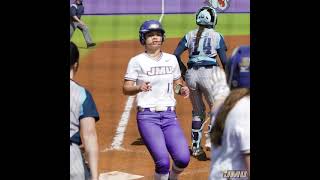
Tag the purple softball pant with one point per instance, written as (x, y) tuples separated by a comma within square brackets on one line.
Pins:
[(162, 135)]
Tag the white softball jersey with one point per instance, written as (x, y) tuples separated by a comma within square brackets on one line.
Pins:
[(160, 73)]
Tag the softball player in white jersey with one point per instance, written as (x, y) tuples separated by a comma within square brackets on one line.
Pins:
[(157, 77), (83, 115), (205, 74), (231, 138)]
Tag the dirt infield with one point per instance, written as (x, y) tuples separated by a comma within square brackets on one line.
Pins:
[(102, 72)]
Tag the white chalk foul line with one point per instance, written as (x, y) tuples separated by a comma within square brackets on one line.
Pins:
[(118, 138), (117, 175)]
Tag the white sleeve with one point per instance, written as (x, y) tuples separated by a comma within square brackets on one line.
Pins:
[(132, 70), (243, 128), (176, 69)]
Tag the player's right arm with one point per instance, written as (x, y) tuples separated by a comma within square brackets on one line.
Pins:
[(129, 85), (130, 89), (90, 141), (88, 118)]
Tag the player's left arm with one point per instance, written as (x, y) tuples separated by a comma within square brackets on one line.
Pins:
[(179, 86), (90, 141), (222, 52), (230, 69)]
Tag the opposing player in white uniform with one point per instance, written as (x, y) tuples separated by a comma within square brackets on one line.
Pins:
[(83, 115), (205, 75), (154, 76), (231, 138)]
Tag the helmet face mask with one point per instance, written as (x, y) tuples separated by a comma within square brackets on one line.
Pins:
[(206, 16), (148, 26)]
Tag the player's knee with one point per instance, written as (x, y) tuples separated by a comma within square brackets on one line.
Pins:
[(182, 160), (163, 166)]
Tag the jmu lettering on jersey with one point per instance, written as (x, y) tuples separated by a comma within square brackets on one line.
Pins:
[(161, 70)]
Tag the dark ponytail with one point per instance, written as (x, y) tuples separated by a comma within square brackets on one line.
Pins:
[(200, 30)]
